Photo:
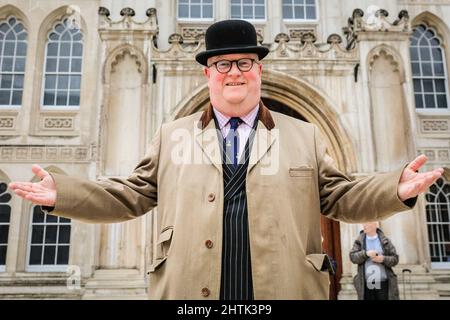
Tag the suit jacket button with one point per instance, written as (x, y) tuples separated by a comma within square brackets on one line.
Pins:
[(211, 197), (205, 292), (209, 244)]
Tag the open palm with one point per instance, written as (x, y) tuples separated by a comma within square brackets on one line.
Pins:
[(412, 183), (40, 193)]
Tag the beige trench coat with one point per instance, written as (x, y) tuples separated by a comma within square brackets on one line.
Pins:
[(290, 182)]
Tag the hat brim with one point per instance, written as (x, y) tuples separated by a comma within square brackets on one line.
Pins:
[(203, 57)]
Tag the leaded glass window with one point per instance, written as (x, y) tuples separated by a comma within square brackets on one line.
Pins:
[(13, 51), (248, 9), (63, 62), (428, 68), (49, 239), (438, 222)]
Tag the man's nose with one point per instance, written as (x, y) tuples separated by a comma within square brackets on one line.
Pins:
[(234, 68)]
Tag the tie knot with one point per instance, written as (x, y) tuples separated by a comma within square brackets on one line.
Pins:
[(235, 122)]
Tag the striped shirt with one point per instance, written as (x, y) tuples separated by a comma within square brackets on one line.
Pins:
[(243, 130)]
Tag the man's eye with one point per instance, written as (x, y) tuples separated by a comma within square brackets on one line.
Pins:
[(223, 64)]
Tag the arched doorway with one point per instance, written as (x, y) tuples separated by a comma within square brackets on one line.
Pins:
[(296, 98)]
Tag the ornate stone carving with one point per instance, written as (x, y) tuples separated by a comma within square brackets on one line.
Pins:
[(282, 37), (151, 12), (102, 11), (376, 21), (127, 23), (295, 34), (259, 35), (37, 153), (443, 155), (175, 38), (33, 153), (127, 12), (334, 39), (7, 153), (283, 47), (192, 34), (436, 155), (435, 126), (121, 54), (388, 54), (7, 123), (61, 123), (51, 153)]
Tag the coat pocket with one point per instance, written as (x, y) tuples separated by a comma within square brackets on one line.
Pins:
[(301, 171), (321, 262), (162, 248)]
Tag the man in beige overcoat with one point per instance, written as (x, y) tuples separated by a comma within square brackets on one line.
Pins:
[(239, 189)]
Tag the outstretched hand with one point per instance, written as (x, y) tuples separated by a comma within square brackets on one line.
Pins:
[(40, 193), (412, 183)]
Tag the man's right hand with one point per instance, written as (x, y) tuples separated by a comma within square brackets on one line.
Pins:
[(371, 253), (41, 193)]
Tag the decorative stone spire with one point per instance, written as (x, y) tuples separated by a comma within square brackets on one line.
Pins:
[(376, 21)]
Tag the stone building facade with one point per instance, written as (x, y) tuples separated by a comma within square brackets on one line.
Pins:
[(84, 85)]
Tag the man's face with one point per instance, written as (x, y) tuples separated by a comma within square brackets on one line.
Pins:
[(370, 227), (235, 92)]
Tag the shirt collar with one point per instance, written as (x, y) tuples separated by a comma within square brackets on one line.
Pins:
[(248, 119)]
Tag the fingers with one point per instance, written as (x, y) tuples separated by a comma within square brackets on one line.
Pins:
[(38, 199), (418, 162), (18, 185), (39, 172), (28, 187), (424, 181)]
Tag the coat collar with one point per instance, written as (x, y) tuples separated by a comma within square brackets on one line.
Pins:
[(263, 115)]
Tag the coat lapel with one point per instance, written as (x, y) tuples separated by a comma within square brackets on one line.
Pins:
[(263, 141), (207, 139)]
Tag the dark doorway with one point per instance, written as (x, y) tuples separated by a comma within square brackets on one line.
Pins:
[(330, 228)]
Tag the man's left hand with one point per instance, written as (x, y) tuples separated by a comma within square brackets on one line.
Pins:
[(378, 259), (412, 183)]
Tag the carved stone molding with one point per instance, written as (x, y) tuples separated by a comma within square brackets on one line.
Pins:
[(121, 55), (283, 47), (108, 28), (58, 123), (7, 123), (295, 34), (435, 125), (383, 51), (192, 34), (43, 153), (375, 21), (436, 155)]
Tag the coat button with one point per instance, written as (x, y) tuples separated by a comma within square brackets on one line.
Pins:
[(211, 197), (209, 244), (205, 292)]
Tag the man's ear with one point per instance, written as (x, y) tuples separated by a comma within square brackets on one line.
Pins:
[(206, 72)]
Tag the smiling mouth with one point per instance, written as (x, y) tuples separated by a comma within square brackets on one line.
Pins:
[(235, 84)]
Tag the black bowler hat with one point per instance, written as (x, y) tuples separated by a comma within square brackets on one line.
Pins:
[(230, 36)]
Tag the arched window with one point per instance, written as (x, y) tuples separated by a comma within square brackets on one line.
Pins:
[(13, 50), (428, 68), (5, 214), (49, 242), (248, 9), (438, 223), (62, 70)]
